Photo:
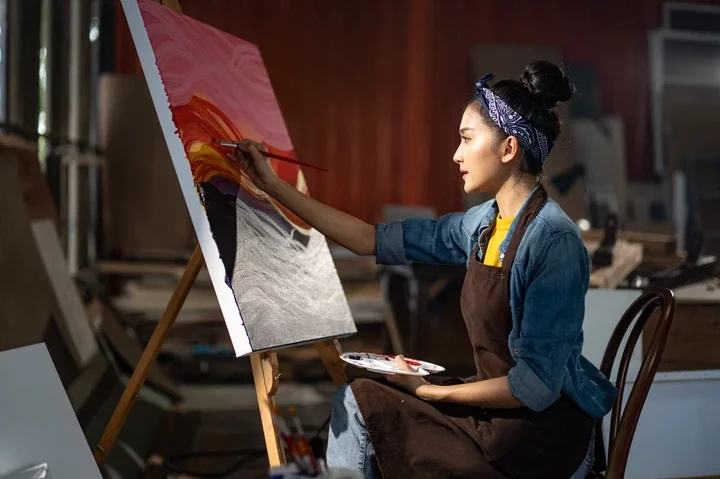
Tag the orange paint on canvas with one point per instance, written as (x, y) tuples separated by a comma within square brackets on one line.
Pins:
[(218, 88)]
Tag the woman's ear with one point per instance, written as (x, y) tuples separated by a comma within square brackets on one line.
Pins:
[(509, 149)]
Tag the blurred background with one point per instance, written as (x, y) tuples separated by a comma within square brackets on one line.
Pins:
[(94, 229)]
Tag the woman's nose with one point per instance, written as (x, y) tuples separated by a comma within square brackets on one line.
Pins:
[(457, 158)]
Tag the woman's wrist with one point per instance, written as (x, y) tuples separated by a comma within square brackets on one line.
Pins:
[(274, 187), (431, 393)]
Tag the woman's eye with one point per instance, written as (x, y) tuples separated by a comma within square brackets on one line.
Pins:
[(465, 139)]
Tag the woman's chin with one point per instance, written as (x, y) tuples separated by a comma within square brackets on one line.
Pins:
[(471, 188)]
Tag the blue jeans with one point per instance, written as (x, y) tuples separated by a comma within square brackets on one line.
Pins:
[(349, 444), (348, 440), (587, 464)]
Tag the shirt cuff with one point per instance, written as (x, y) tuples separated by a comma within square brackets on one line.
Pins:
[(529, 388), (389, 246)]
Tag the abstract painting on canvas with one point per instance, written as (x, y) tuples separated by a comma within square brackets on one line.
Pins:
[(273, 274)]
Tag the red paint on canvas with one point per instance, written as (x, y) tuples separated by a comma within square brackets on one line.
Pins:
[(217, 87)]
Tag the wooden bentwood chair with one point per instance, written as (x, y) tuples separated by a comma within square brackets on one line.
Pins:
[(624, 422)]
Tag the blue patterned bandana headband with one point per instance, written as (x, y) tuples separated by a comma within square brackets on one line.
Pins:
[(530, 138)]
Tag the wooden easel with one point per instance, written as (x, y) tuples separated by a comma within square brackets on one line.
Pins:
[(264, 365)]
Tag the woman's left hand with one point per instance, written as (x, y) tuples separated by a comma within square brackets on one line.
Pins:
[(409, 383)]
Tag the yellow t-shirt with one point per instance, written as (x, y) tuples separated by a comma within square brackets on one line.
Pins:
[(492, 255)]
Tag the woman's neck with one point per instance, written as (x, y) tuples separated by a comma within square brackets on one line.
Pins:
[(513, 193)]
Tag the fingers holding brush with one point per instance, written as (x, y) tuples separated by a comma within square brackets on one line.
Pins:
[(248, 154), (247, 144)]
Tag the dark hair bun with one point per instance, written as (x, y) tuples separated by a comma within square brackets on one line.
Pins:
[(547, 82)]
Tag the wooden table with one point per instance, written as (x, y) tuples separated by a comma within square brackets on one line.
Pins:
[(692, 344)]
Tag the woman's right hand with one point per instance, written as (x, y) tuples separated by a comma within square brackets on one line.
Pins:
[(350, 232), (256, 165)]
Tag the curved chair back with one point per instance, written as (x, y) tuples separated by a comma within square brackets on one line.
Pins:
[(624, 420)]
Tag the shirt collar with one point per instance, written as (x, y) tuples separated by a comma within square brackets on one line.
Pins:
[(494, 210)]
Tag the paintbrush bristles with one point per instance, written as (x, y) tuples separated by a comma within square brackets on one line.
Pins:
[(236, 145), (228, 144)]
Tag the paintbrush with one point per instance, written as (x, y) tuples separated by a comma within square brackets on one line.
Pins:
[(236, 145)]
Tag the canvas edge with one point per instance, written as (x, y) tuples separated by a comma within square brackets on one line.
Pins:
[(226, 296), (304, 343)]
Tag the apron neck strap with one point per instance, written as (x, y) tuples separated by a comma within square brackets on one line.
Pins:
[(531, 210)]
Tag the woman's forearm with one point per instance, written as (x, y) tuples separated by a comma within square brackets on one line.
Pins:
[(346, 230), (491, 393)]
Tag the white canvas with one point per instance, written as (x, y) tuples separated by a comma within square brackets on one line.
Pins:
[(37, 422), (273, 275)]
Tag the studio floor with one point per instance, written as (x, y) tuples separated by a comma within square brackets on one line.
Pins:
[(225, 419)]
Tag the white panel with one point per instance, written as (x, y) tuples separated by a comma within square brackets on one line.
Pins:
[(37, 422), (603, 310), (679, 430)]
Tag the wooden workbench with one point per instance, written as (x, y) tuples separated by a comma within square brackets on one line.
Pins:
[(693, 340), (626, 257)]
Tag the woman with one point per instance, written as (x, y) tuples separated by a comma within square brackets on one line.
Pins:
[(531, 408)]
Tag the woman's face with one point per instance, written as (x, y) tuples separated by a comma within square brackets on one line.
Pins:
[(478, 155)]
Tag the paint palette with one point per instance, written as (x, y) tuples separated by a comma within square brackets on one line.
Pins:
[(385, 364)]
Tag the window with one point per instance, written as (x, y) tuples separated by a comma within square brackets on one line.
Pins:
[(3, 55), (691, 17)]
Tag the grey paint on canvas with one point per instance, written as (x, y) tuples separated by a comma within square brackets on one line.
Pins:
[(288, 290)]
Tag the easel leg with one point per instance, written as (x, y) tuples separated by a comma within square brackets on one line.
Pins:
[(145, 364), (330, 354), (265, 374)]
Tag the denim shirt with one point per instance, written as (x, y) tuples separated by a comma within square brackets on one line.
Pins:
[(548, 282)]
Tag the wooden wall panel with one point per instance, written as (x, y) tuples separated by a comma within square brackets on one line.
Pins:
[(374, 89), (33, 184), (141, 214)]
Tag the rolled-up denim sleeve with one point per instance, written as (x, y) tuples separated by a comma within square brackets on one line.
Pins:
[(441, 241), (553, 313)]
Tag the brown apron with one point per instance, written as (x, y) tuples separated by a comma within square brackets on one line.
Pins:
[(415, 439)]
